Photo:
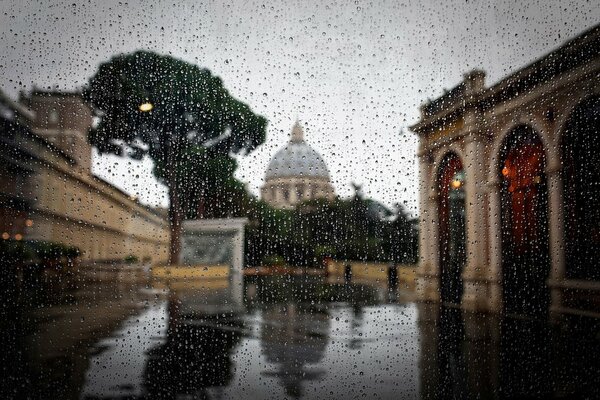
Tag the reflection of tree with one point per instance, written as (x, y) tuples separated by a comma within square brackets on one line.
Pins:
[(195, 356), (293, 337)]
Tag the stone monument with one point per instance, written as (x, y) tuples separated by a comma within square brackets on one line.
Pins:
[(216, 246)]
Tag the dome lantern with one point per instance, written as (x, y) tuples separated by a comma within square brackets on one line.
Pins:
[(297, 135)]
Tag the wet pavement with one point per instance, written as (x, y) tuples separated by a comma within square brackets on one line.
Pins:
[(105, 334)]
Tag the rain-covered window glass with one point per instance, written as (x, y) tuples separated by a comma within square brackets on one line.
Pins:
[(299, 199)]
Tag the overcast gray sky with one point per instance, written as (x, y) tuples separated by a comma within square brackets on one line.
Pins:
[(353, 72)]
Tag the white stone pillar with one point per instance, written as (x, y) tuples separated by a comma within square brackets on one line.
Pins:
[(433, 217), (556, 234), (293, 194), (475, 274), (428, 272), (277, 195), (423, 221)]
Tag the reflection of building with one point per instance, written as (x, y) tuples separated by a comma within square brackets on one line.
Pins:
[(525, 155), (50, 191), (49, 358), (485, 356), (295, 174)]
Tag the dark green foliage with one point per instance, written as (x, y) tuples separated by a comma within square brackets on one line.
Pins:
[(273, 260), (191, 107), (131, 259), (191, 133), (354, 229), (35, 251), (307, 292)]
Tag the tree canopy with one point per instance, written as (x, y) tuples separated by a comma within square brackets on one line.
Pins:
[(189, 125)]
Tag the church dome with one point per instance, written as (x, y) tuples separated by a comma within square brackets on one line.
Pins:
[(298, 159)]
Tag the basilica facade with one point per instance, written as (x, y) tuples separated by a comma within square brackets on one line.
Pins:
[(296, 173)]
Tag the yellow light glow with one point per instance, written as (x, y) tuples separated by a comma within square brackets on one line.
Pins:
[(29, 222), (505, 171), (147, 106), (456, 184)]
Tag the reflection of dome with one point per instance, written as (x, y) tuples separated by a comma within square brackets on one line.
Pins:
[(297, 158), (293, 341), (296, 173)]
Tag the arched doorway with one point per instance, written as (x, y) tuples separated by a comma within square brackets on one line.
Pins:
[(452, 234), (581, 182), (524, 199)]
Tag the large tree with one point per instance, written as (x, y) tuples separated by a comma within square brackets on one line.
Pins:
[(180, 115)]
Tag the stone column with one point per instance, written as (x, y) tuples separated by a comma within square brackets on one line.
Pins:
[(435, 269), (293, 194), (278, 193), (423, 205), (428, 272), (307, 188), (556, 234), (495, 244), (475, 275)]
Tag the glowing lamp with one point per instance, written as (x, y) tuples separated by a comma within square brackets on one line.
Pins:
[(505, 171), (456, 183), (145, 107)]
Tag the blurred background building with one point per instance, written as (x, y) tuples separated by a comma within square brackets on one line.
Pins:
[(49, 193), (296, 173)]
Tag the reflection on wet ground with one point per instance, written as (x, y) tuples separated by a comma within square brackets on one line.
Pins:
[(106, 335)]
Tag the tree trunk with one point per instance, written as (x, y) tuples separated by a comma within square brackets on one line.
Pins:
[(175, 211), (201, 207), (175, 219)]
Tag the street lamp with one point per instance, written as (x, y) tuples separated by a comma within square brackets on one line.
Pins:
[(146, 106), (458, 180)]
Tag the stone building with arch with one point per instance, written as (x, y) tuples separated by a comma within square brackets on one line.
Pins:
[(296, 173), (510, 188)]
